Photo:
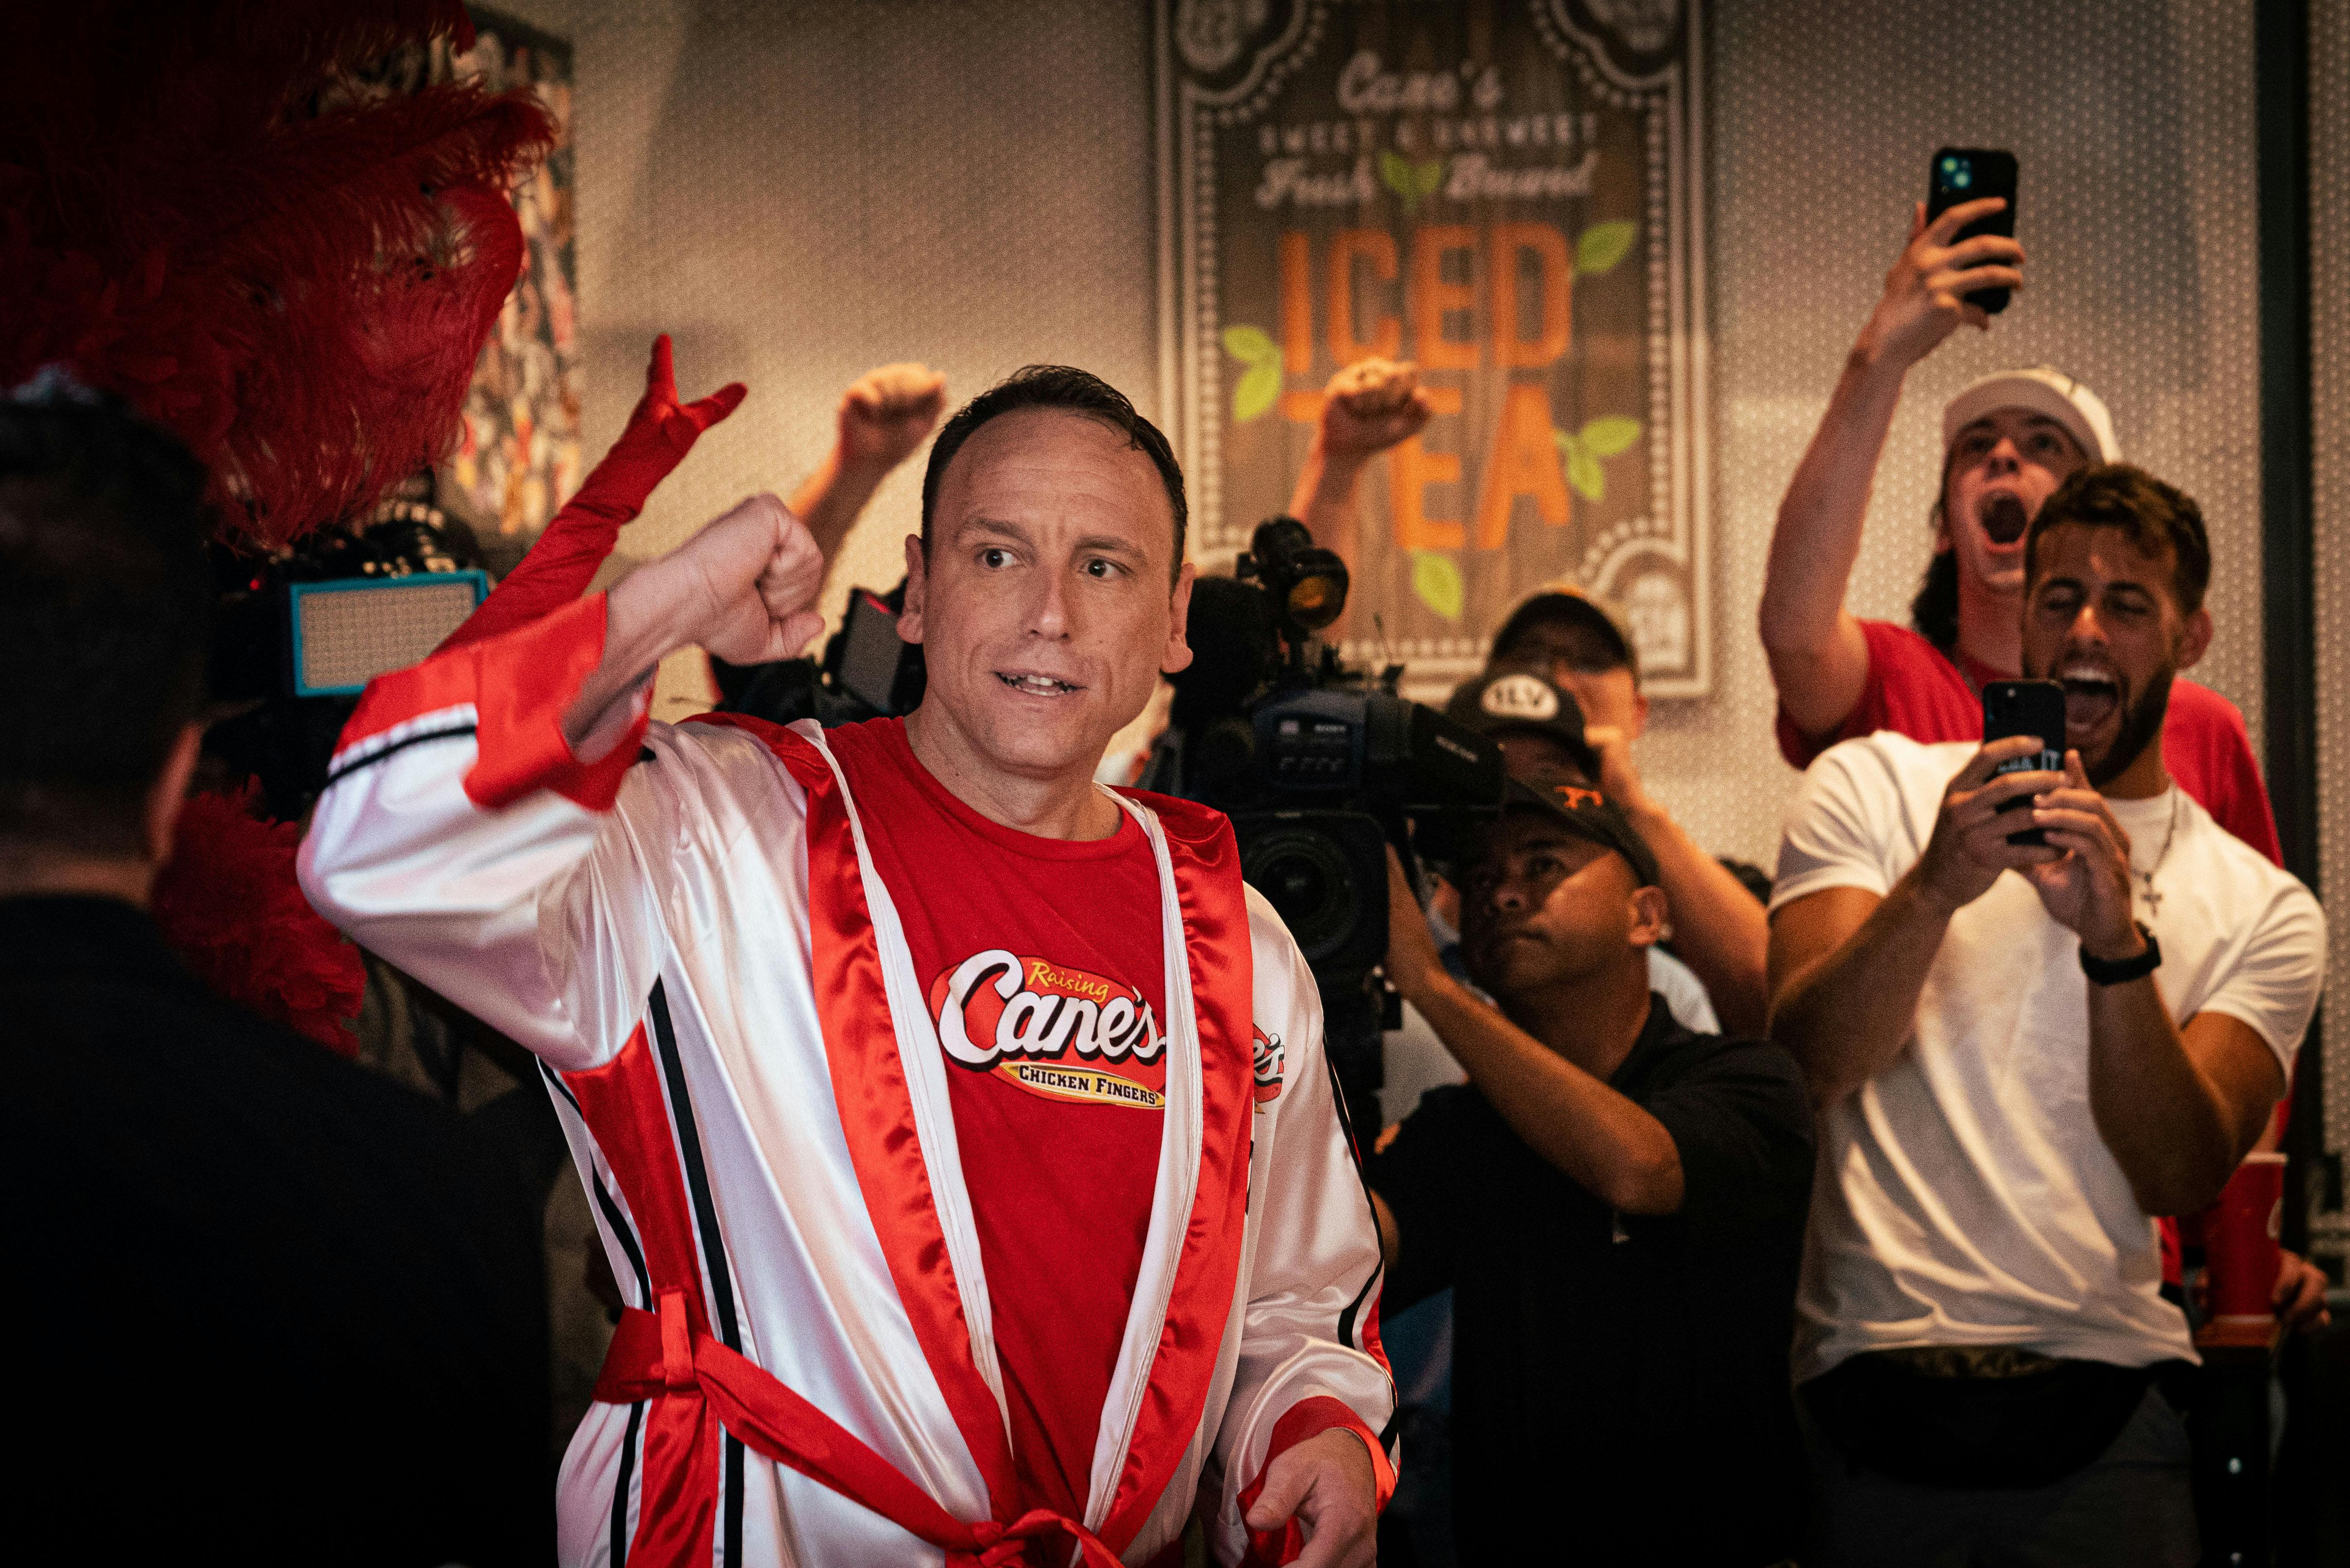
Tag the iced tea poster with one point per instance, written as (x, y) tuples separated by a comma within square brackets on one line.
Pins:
[(1506, 192)]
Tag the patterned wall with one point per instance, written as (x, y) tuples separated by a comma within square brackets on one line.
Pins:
[(2330, 358)]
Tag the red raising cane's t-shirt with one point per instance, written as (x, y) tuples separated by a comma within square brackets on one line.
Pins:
[(1914, 690), (1041, 961)]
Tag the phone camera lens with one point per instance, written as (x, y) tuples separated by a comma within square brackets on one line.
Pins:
[(1963, 179), (1949, 164)]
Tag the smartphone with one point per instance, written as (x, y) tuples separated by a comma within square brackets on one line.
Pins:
[(869, 663), (1966, 175), (2026, 708)]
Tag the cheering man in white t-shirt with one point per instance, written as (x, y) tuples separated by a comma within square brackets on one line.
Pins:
[(2020, 1053)]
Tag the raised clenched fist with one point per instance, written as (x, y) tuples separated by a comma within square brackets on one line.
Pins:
[(887, 412), (1371, 405), (746, 584)]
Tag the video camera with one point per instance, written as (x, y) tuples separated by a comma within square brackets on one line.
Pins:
[(1320, 767)]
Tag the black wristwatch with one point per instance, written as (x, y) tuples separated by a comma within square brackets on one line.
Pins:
[(2114, 971)]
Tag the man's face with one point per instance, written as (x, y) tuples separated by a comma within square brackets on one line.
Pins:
[(1540, 906), (1044, 609), (2001, 467), (2101, 616), (1583, 663)]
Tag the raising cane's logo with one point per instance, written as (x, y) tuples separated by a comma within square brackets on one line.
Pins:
[(1057, 1032), (1268, 1060)]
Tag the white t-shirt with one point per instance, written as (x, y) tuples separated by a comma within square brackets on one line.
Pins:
[(1964, 1195)]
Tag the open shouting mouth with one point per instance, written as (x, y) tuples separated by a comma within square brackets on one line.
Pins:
[(2092, 695), (2003, 519)]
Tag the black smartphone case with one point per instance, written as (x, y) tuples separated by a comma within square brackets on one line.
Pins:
[(1965, 174)]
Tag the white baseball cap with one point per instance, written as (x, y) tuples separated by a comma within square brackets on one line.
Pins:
[(2042, 389)]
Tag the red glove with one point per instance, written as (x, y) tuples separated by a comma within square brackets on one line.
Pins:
[(560, 565)]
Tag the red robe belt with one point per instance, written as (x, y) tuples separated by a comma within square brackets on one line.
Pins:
[(661, 1356)]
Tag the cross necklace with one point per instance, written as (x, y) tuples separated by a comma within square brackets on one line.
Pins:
[(2145, 877)]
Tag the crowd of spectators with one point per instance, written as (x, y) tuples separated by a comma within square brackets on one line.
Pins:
[(1822, 1215)]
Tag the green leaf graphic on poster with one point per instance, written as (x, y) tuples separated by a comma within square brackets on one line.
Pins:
[(1408, 179), (1258, 391), (1583, 470), (1606, 436), (1437, 580), (1249, 345), (1602, 245)]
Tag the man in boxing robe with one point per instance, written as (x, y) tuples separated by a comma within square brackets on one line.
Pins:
[(958, 1131)]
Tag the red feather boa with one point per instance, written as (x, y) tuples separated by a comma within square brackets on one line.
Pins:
[(299, 296), (228, 903)]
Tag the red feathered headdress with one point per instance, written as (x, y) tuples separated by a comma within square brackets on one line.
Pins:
[(300, 294), (228, 903)]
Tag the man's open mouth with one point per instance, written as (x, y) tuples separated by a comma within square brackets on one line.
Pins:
[(2092, 696), (2003, 519), (1038, 685)]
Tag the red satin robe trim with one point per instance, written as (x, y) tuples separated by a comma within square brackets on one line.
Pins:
[(1207, 865), (520, 684), (624, 1108), (877, 1113)]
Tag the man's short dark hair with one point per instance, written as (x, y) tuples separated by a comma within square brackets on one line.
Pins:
[(2152, 516), (1077, 391), (105, 609)]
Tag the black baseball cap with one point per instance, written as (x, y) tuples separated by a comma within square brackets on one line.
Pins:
[(1586, 812), (1520, 702)]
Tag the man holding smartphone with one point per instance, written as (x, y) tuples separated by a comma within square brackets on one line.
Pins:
[(2020, 1053), (2008, 440)]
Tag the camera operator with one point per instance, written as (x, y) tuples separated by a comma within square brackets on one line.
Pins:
[(1541, 730), (1616, 1203), (2022, 1053), (2009, 440), (1582, 645), (277, 1307)]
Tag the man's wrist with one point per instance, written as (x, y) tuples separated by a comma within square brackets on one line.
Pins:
[(2118, 945)]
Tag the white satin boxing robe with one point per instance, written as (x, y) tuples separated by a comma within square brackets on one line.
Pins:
[(689, 936)]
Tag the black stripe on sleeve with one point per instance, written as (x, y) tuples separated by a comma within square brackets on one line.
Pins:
[(1362, 1177), (714, 1248), (340, 774), (620, 1492)]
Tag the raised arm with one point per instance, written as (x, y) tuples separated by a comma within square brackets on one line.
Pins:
[(564, 558), (1608, 1146), (1818, 657), (1720, 930), (465, 832), (1848, 963), (885, 415), (1367, 408)]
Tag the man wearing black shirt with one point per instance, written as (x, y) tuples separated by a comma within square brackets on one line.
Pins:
[(1618, 1206), (267, 1307)]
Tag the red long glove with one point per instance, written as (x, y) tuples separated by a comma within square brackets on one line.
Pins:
[(560, 565)]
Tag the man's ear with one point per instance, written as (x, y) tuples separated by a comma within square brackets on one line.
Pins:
[(910, 619), (1639, 712), (1652, 917), (169, 793), (2195, 638), (1178, 654)]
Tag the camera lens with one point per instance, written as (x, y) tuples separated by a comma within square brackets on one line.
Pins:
[(1304, 876), (1963, 178)]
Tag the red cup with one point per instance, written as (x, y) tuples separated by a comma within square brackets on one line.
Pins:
[(2241, 1256)]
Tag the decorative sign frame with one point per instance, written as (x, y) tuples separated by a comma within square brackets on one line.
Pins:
[(1508, 192)]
